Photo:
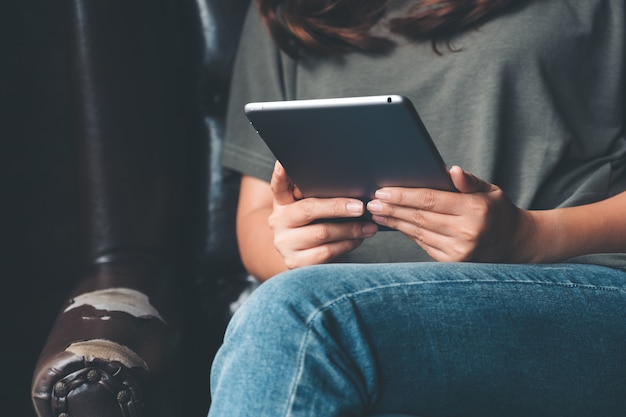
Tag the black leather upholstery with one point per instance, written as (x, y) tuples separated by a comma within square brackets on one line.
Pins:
[(149, 84)]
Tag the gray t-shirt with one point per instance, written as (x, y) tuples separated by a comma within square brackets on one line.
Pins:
[(532, 101)]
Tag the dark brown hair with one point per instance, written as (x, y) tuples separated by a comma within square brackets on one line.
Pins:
[(333, 27)]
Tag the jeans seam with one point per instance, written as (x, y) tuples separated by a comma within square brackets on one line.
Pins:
[(356, 294), (297, 377), (473, 281)]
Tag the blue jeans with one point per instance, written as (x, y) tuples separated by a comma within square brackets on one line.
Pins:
[(428, 339)]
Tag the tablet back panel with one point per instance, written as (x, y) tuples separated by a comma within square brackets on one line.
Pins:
[(350, 147)]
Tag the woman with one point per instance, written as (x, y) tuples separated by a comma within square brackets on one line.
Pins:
[(505, 299)]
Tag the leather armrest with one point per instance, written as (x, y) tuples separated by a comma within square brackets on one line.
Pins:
[(142, 145), (113, 350)]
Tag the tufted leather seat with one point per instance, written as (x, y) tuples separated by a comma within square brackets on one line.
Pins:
[(149, 87)]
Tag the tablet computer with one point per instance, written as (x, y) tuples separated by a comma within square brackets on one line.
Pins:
[(350, 147)]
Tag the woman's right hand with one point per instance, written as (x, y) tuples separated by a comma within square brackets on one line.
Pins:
[(299, 235)]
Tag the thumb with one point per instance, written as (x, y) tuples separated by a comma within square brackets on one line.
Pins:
[(281, 185), (466, 182)]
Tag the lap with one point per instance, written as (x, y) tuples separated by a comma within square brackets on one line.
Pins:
[(318, 286), (474, 336), (455, 339)]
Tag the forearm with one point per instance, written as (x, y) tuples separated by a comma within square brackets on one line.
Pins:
[(256, 245), (559, 234)]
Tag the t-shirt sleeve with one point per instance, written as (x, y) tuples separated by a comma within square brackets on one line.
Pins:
[(257, 76)]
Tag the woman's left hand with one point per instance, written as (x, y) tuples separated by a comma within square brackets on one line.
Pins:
[(477, 224)]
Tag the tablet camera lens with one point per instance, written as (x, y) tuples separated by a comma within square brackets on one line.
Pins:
[(388, 99)]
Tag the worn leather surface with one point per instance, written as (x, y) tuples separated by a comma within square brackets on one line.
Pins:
[(149, 84), (150, 384), (219, 275)]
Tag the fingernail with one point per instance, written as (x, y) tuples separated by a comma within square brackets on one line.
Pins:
[(369, 229), (374, 206), (355, 208), (383, 195)]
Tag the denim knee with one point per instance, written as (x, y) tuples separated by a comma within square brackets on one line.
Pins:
[(292, 294), (282, 342)]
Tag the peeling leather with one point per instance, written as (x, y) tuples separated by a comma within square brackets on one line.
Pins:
[(125, 300), (107, 350)]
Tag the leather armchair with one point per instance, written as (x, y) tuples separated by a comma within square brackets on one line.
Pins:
[(137, 333)]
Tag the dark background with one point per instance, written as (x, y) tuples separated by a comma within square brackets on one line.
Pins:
[(38, 206)]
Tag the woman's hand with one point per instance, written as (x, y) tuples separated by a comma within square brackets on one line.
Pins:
[(478, 224), (299, 237)]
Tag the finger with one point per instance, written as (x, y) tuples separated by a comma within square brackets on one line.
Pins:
[(323, 233), (440, 247), (444, 202), (321, 254), (467, 182), (319, 243), (318, 234), (309, 210), (297, 193), (282, 187), (437, 201), (444, 224)]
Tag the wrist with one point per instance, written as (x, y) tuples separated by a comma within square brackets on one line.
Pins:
[(543, 239), (529, 241)]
